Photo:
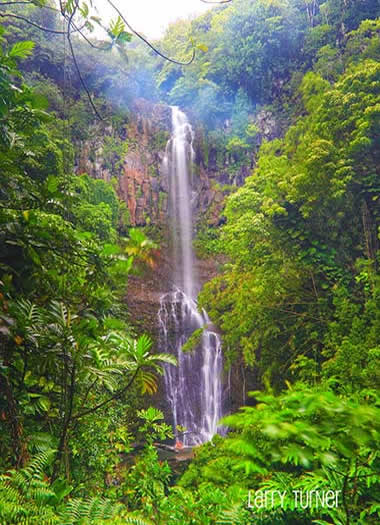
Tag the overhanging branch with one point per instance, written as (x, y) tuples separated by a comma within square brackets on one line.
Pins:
[(216, 2), (69, 23), (151, 46), (107, 401)]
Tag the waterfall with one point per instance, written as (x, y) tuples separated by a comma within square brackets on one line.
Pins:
[(193, 387)]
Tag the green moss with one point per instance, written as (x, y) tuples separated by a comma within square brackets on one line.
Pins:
[(159, 140), (162, 196), (153, 171), (224, 188), (114, 152), (153, 232), (205, 151), (196, 169), (194, 340)]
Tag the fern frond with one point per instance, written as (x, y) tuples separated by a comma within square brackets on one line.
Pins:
[(87, 512), (136, 521), (25, 496), (231, 516)]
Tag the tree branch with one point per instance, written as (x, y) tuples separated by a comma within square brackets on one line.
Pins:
[(69, 22), (19, 17), (355, 476), (91, 386), (94, 46), (41, 28), (15, 3), (22, 2), (71, 28), (147, 41), (216, 2), (107, 401)]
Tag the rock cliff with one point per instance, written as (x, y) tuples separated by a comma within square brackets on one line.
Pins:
[(131, 153)]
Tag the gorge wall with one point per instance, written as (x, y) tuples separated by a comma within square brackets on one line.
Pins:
[(130, 154)]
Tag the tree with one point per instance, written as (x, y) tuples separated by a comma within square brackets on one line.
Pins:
[(141, 248), (78, 19), (64, 356), (292, 233), (287, 443)]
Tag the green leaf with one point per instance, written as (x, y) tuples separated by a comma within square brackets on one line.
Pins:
[(21, 49), (202, 47), (110, 249), (194, 340), (83, 9), (116, 27), (52, 183), (44, 403), (34, 256), (96, 19), (39, 101), (124, 37)]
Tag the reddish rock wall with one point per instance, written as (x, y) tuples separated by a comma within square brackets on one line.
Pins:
[(133, 156)]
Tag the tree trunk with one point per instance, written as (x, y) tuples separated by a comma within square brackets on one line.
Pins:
[(16, 429)]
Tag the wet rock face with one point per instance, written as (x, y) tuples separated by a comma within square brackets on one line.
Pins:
[(142, 183), (133, 154), (154, 115), (267, 124), (144, 290)]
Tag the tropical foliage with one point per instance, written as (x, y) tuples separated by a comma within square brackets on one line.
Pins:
[(296, 298)]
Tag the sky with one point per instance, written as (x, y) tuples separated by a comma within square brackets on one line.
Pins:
[(151, 17)]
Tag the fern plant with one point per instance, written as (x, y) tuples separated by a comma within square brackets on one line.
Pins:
[(87, 512), (25, 497), (236, 515)]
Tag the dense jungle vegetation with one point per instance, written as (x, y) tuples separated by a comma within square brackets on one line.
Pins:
[(297, 298)]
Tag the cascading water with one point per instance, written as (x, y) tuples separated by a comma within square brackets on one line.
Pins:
[(193, 387)]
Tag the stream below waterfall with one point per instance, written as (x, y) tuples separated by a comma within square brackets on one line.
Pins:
[(194, 386)]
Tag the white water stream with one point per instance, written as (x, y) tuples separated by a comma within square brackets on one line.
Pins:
[(194, 387)]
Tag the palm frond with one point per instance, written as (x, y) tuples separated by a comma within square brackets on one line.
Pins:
[(148, 382)]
